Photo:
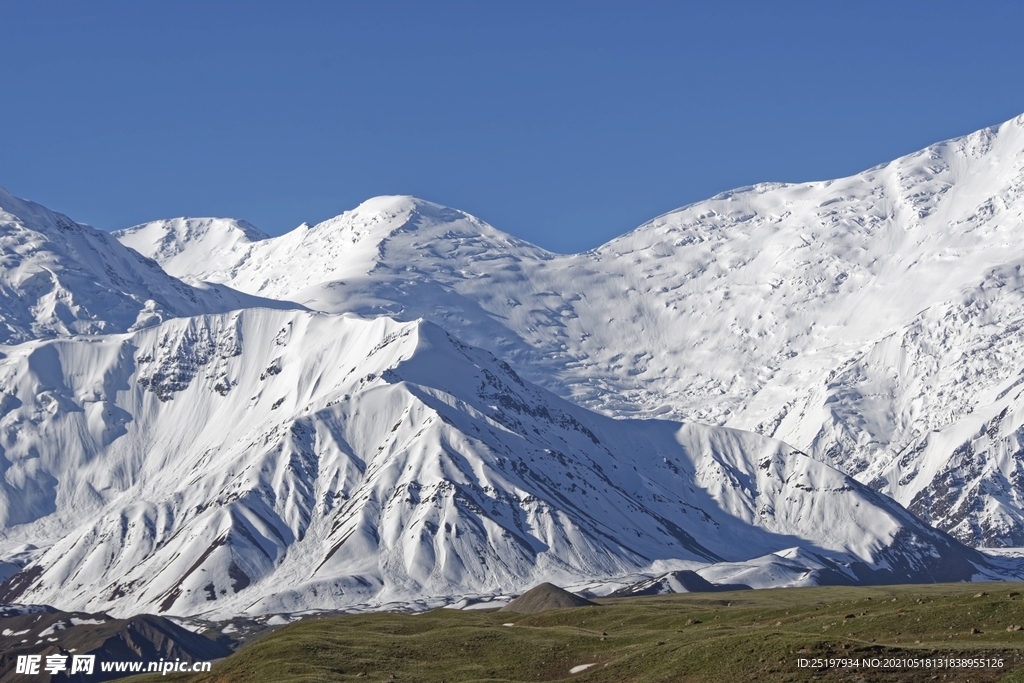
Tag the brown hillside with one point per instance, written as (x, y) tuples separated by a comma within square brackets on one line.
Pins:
[(544, 597)]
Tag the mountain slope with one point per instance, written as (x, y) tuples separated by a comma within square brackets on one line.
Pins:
[(58, 277), (333, 461), (42, 630), (418, 237), (396, 256), (852, 318), (180, 242)]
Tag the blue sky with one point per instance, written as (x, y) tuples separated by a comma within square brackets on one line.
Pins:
[(564, 123)]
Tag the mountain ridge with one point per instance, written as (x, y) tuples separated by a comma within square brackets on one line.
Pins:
[(447, 413), (758, 309), (417, 469), (58, 277)]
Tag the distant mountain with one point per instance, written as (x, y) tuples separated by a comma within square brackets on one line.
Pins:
[(58, 277), (874, 321), (179, 243), (41, 630), (419, 238), (463, 415), (266, 461)]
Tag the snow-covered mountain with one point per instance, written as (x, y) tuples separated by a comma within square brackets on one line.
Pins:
[(179, 242), (873, 321), (266, 460), (58, 277), (397, 256), (458, 413)]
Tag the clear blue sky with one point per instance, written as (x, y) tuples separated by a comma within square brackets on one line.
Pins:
[(564, 123)]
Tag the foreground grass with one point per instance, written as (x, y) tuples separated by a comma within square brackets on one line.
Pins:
[(732, 637)]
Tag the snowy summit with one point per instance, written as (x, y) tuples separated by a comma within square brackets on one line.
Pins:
[(402, 405)]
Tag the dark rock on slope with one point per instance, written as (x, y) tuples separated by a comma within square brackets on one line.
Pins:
[(42, 630)]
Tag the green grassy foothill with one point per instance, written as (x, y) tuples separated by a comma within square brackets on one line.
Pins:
[(730, 637)]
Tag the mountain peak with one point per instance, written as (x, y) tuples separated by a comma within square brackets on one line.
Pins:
[(874, 322), (381, 217), (331, 461), (59, 277), (22, 211), (176, 242), (394, 204), (390, 233)]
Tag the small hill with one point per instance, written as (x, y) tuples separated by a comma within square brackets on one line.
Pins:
[(141, 638), (545, 597), (684, 581)]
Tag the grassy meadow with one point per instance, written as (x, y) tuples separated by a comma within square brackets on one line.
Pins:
[(730, 637)]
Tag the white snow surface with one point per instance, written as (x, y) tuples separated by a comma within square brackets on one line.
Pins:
[(463, 415), (178, 242), (58, 277), (875, 321), (270, 461)]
